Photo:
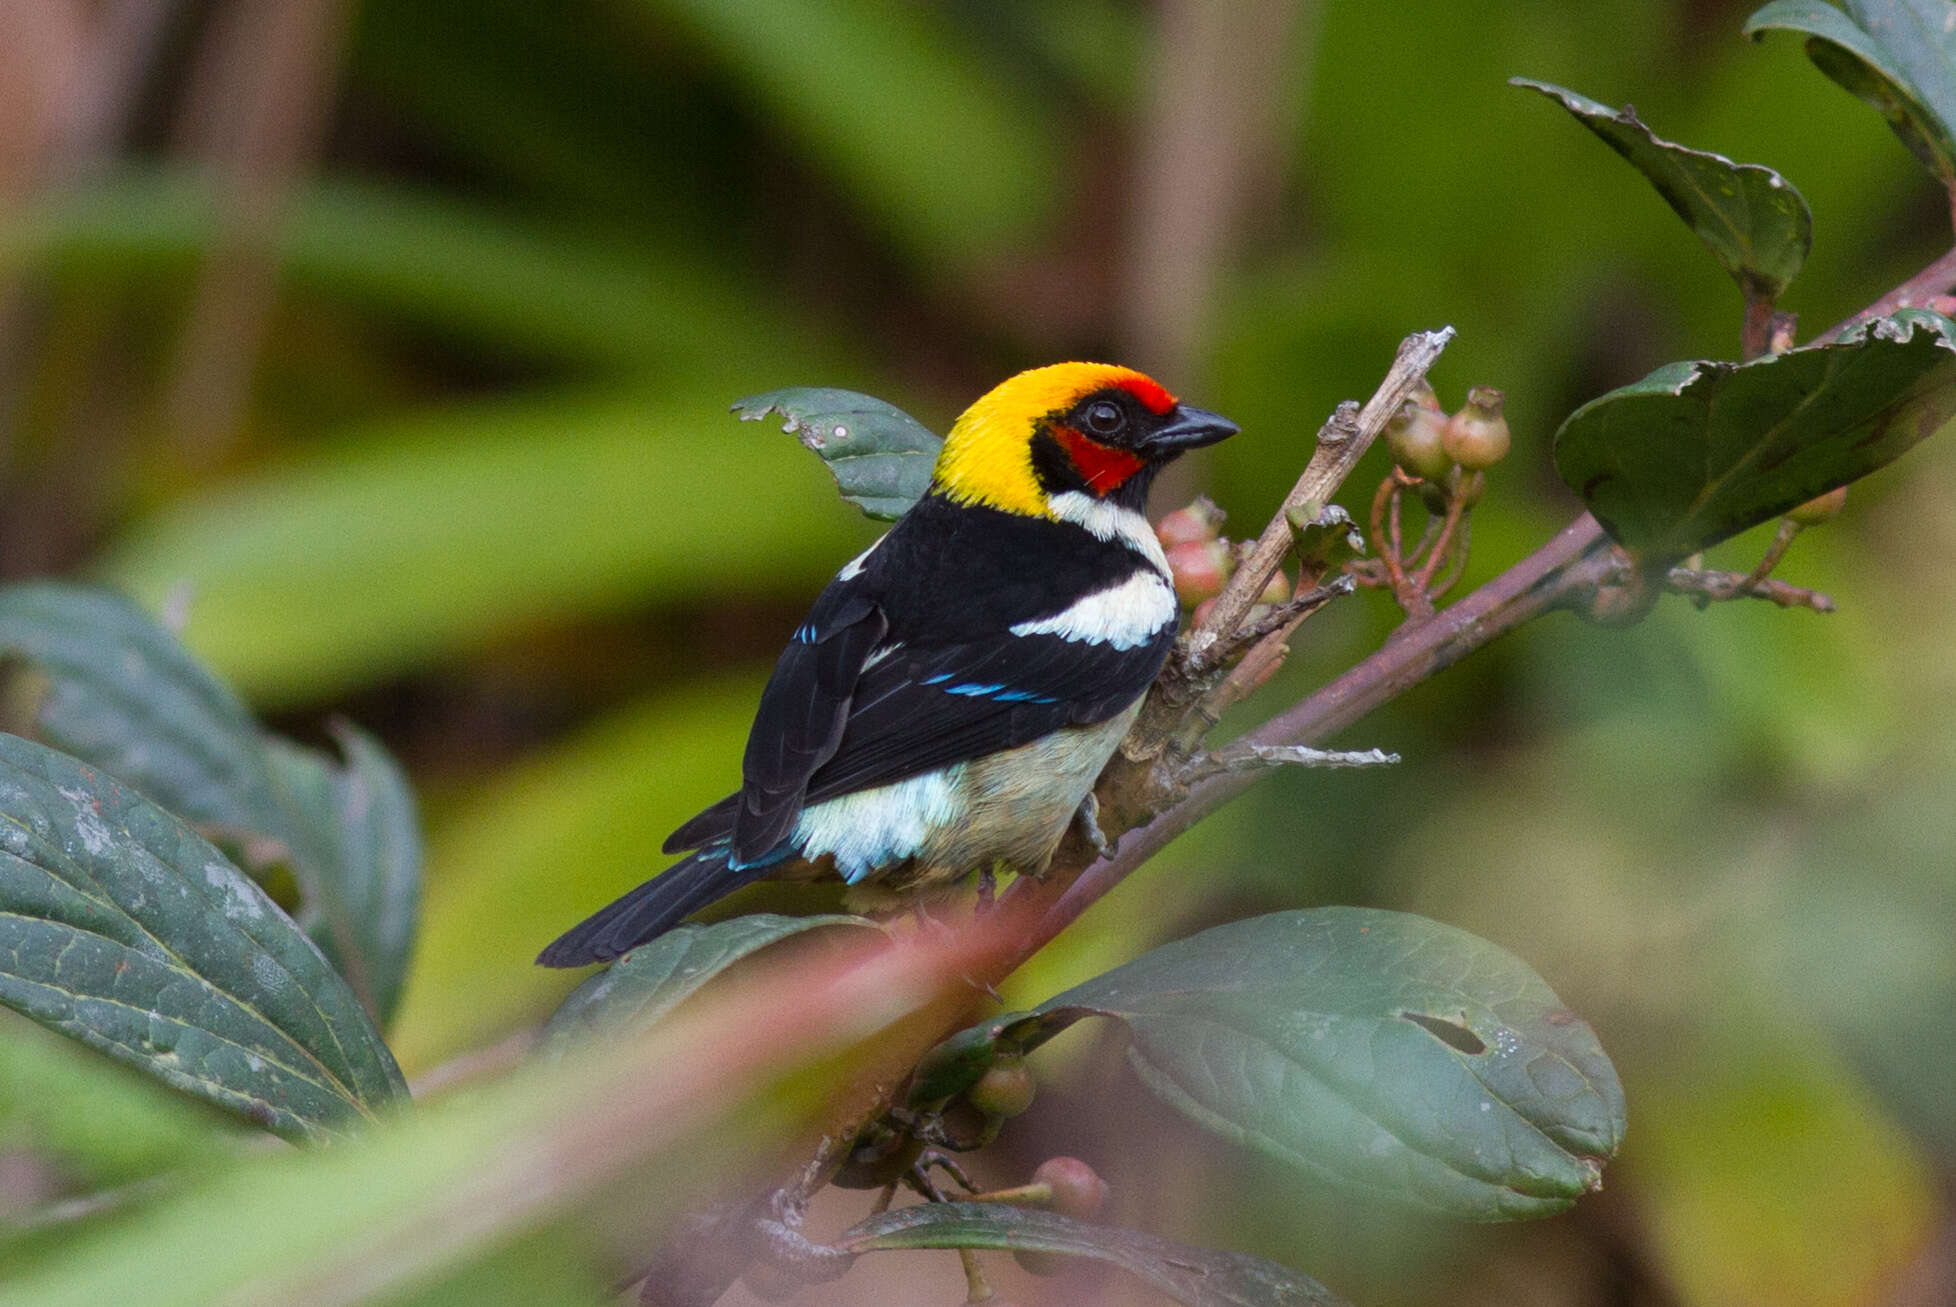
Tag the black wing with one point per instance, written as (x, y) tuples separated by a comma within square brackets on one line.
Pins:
[(919, 710), (907, 664), (800, 722), (912, 710)]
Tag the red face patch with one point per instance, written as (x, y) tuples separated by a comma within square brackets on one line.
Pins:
[(1102, 467), (1152, 394)]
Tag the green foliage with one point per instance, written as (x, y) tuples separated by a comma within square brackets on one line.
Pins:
[(291, 603), (1897, 55), (357, 853), (123, 694), (881, 457), (478, 481), (126, 930), (876, 93), (1697, 452), (1753, 222), (1378, 1049), (512, 287), (100, 1122), (639, 989), (1197, 1277)]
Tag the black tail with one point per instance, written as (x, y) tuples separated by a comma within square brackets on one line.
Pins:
[(650, 910)]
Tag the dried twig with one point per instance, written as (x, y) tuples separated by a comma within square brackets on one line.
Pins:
[(1345, 436), (1716, 587)]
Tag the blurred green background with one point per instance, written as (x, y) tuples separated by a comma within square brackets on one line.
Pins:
[(391, 344)]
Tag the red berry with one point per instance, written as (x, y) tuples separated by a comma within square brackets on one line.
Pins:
[(1078, 1190), (1201, 568), (1200, 521)]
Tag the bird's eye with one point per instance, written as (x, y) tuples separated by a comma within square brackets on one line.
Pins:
[(1105, 418)]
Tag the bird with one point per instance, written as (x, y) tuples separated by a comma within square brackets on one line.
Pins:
[(956, 689)]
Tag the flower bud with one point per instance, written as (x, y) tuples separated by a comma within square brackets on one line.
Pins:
[(1477, 436)]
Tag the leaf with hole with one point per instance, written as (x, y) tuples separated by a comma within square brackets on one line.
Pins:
[(1197, 1277), (637, 991), (1389, 1052), (1756, 225), (122, 927), (880, 456), (1697, 452), (1898, 56)]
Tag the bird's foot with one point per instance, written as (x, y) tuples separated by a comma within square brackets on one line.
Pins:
[(948, 1164), (1087, 819)]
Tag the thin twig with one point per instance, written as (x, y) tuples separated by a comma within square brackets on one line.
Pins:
[(1934, 280), (1567, 571), (1783, 538), (1562, 572), (1716, 587), (1344, 437), (1422, 591), (1756, 336)]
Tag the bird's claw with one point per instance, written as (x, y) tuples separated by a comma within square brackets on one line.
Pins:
[(1087, 819)]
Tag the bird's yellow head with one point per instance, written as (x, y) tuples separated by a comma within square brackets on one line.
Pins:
[(1092, 428)]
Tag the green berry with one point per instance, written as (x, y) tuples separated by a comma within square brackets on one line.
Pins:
[(1477, 436), (1416, 437), (1006, 1089)]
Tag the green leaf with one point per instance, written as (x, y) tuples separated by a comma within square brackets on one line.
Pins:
[(881, 457), (1381, 1049), (1199, 1277), (633, 993), (955, 158), (358, 847), (1897, 55), (1698, 452), (469, 271), (101, 1123), (123, 694), (122, 927), (475, 521), (591, 808), (1324, 537), (1754, 223)]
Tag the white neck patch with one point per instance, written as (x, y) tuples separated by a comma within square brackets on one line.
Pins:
[(1110, 521), (1122, 616)]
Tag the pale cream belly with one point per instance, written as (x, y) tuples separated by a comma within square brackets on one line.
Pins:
[(1009, 808)]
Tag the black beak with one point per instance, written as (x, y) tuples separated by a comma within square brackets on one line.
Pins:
[(1189, 428)]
